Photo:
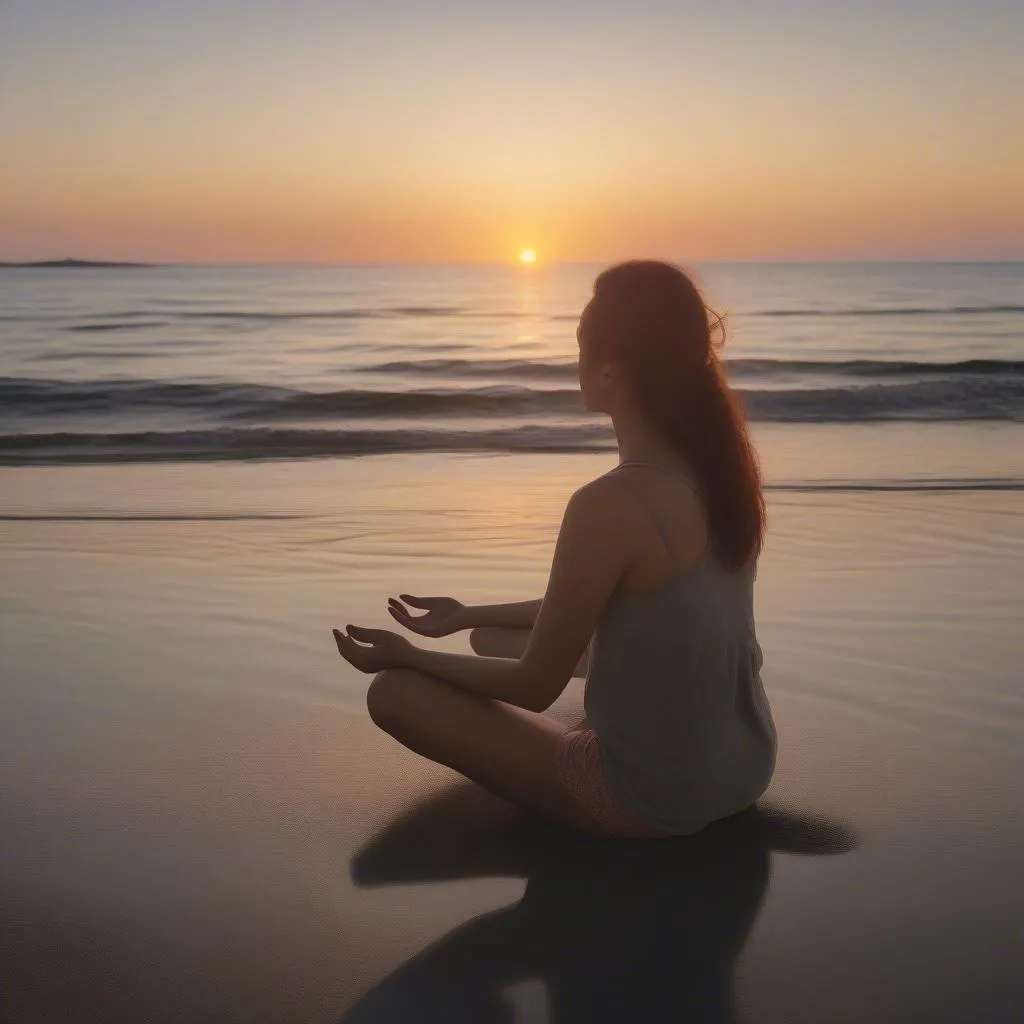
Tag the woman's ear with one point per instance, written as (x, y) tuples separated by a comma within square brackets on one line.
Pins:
[(609, 375)]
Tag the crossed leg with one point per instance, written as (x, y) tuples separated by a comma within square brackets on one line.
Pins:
[(505, 749)]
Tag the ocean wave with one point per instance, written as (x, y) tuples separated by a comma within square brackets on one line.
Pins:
[(477, 402), (364, 313), (134, 325), (147, 517), (963, 396), (136, 319), (765, 368), (60, 397), (130, 319), (855, 311), (468, 368), (934, 400), (264, 402), (263, 443), (877, 367), (911, 485)]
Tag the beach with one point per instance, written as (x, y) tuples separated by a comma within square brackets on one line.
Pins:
[(200, 821), (205, 469)]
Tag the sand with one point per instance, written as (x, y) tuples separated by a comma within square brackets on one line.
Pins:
[(199, 822)]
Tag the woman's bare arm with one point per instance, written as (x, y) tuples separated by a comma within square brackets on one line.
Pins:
[(596, 545), (515, 615)]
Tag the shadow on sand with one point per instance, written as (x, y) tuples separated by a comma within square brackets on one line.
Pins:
[(615, 930)]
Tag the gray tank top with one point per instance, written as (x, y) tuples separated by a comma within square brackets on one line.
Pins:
[(674, 694)]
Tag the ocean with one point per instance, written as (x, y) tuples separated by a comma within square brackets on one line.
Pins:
[(187, 363)]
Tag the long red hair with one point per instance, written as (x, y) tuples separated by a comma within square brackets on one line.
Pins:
[(650, 319)]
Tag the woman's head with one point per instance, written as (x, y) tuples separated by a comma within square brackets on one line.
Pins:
[(646, 348)]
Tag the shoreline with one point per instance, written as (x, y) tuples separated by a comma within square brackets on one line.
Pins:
[(794, 457)]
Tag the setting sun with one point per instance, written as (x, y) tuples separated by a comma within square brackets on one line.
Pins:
[(528, 256)]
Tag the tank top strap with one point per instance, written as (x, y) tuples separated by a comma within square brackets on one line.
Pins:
[(643, 504)]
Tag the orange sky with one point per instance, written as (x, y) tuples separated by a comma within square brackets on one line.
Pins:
[(314, 131)]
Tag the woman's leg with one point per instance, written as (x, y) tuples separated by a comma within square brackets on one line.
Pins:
[(505, 749), (501, 642)]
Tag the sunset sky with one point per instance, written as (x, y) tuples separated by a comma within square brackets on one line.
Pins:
[(409, 130)]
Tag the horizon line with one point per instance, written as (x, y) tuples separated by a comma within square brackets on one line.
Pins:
[(75, 262)]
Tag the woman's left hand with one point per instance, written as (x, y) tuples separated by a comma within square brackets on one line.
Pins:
[(373, 650)]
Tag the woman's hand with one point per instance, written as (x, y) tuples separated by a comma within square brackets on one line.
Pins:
[(444, 615), (373, 650)]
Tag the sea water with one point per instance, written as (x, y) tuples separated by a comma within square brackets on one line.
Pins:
[(181, 363)]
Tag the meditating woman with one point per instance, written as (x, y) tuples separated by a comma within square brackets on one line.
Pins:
[(650, 597)]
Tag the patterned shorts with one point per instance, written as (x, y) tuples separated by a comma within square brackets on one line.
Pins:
[(578, 762)]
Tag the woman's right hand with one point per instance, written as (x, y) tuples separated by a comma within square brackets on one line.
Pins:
[(444, 615)]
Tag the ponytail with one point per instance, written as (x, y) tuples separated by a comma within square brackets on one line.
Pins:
[(651, 319)]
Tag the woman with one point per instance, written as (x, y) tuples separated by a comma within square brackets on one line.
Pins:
[(655, 561)]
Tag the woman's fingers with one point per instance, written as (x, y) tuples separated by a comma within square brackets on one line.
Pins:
[(348, 644), (348, 649), (402, 617), (359, 655), (397, 606), (426, 603), (366, 635), (401, 614)]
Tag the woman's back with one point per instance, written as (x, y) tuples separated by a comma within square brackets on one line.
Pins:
[(674, 690)]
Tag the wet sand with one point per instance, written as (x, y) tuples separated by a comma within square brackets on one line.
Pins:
[(199, 822)]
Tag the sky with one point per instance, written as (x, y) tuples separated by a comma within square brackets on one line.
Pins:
[(457, 131)]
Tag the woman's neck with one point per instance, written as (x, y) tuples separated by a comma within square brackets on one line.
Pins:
[(638, 442)]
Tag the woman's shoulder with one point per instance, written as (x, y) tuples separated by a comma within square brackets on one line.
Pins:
[(604, 510), (604, 497), (652, 512)]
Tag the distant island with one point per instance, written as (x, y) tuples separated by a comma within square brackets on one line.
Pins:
[(71, 264)]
